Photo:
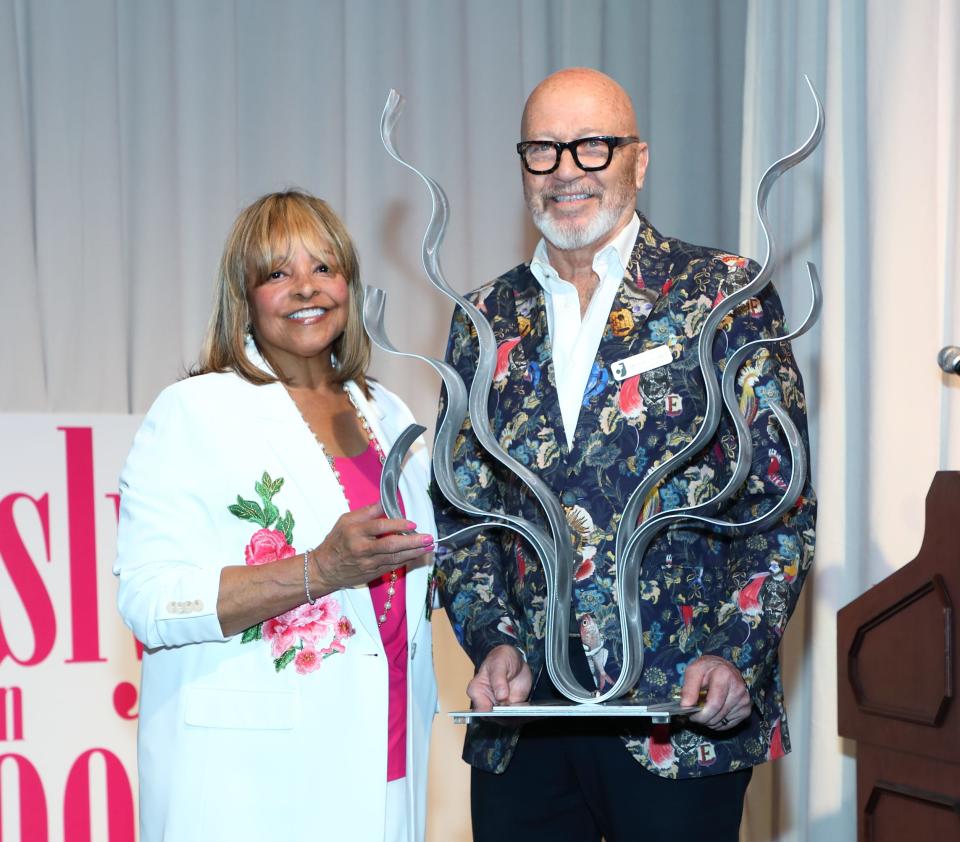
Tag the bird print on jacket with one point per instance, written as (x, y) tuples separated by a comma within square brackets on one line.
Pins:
[(702, 592), (595, 651)]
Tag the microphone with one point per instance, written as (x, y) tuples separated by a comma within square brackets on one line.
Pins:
[(949, 359)]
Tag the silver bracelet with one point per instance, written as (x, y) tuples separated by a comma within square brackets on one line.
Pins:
[(306, 578)]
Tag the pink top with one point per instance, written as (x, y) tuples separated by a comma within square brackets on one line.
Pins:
[(360, 477)]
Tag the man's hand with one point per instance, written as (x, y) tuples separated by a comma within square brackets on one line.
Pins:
[(727, 703), (503, 678)]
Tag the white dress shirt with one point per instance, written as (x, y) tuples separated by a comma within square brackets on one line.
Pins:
[(574, 340)]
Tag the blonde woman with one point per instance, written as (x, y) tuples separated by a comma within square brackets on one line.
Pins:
[(288, 686)]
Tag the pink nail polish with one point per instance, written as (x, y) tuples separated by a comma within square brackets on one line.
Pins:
[(427, 540), (411, 526)]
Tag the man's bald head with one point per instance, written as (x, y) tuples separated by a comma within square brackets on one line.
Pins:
[(581, 89), (578, 210)]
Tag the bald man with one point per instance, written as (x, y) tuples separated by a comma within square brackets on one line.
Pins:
[(597, 381)]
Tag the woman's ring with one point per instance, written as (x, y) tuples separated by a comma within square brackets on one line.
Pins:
[(724, 721)]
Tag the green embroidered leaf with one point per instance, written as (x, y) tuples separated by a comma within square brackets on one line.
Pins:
[(268, 487), (262, 492), (247, 510), (270, 512), (253, 633), (285, 658), (285, 525)]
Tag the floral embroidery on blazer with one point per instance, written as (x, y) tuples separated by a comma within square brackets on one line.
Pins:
[(307, 634), (701, 592)]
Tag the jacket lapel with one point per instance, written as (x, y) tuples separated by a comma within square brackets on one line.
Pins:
[(319, 499), (307, 472), (386, 432), (626, 332), (530, 315)]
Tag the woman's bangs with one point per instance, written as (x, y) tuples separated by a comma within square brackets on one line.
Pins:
[(283, 227)]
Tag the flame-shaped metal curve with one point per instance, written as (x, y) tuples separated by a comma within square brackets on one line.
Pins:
[(374, 303), (631, 540), (710, 328), (628, 565), (554, 551)]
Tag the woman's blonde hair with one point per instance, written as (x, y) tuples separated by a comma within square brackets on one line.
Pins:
[(263, 239)]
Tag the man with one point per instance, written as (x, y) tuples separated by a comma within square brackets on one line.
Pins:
[(604, 287)]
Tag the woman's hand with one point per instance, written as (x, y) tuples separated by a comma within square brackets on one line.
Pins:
[(363, 545)]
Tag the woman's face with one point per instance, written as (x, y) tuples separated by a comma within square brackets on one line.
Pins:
[(301, 309)]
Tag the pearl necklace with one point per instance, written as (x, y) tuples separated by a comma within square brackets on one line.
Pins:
[(331, 461)]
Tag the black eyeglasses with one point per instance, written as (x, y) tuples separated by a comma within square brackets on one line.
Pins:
[(589, 153)]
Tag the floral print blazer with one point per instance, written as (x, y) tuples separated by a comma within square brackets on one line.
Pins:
[(702, 592)]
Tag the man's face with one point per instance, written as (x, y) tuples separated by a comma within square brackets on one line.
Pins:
[(575, 209)]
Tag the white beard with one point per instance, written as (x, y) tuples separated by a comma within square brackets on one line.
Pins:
[(568, 237)]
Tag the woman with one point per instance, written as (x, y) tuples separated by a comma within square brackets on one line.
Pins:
[(287, 688)]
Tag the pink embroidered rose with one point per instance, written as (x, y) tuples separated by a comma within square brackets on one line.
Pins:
[(307, 661), (303, 636), (335, 646), (267, 545), (315, 625)]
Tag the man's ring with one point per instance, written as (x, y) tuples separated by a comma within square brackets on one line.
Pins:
[(724, 721)]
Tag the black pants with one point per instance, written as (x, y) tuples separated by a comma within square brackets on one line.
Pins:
[(573, 780)]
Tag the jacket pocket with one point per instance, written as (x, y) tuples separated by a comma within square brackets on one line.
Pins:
[(213, 707)]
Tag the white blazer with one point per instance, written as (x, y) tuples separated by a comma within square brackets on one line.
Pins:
[(228, 746)]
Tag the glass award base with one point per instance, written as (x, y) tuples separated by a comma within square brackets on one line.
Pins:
[(657, 712)]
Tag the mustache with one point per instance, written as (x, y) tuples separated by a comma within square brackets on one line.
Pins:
[(581, 191)]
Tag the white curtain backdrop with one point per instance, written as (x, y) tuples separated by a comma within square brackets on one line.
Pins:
[(877, 210), (131, 133)]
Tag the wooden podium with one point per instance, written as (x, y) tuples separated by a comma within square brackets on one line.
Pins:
[(897, 667)]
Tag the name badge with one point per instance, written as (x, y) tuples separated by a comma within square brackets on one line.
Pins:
[(639, 363)]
